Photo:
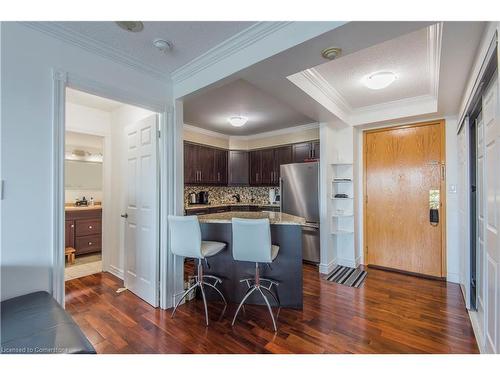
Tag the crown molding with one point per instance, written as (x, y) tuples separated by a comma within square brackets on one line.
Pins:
[(316, 86), (210, 133), (273, 133), (434, 38), (93, 46), (230, 46)]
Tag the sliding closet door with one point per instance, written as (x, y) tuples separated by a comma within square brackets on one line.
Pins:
[(491, 198), (464, 209), (480, 223)]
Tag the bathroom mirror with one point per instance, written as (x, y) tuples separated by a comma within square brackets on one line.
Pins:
[(82, 175)]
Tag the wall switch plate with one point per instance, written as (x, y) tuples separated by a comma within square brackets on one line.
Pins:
[(453, 189)]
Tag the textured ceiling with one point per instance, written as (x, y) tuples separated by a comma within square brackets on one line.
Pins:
[(89, 100), (190, 39), (211, 110), (407, 56)]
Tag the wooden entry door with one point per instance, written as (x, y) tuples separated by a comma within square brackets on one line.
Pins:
[(402, 166)]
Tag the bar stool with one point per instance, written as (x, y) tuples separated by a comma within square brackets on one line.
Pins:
[(185, 240), (252, 243)]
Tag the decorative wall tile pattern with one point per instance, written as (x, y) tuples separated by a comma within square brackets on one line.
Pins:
[(224, 194)]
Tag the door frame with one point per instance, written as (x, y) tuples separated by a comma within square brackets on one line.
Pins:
[(167, 164), (442, 124)]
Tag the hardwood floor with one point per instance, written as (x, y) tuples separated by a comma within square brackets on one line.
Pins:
[(391, 313)]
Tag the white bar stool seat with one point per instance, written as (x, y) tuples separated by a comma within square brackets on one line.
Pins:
[(252, 243), (185, 241)]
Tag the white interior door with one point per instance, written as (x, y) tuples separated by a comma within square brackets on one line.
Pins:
[(491, 198), (141, 224)]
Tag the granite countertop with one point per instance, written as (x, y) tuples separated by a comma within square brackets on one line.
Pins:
[(82, 208), (198, 206), (274, 217)]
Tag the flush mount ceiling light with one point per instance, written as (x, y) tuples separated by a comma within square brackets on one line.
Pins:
[(237, 121), (331, 53), (132, 26), (162, 45), (379, 80)]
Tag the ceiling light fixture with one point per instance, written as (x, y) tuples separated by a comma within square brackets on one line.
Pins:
[(379, 80), (132, 26), (162, 45), (331, 53), (237, 121)]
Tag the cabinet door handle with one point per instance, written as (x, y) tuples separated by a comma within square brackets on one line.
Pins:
[(90, 243), (218, 176), (90, 226), (72, 225)]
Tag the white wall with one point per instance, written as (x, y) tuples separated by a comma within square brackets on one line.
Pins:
[(27, 143)]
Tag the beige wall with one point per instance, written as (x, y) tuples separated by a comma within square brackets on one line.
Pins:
[(249, 143)]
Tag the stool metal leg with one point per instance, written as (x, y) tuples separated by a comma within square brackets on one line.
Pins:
[(204, 302), (269, 308), (217, 290), (258, 286), (183, 296), (242, 302), (200, 283)]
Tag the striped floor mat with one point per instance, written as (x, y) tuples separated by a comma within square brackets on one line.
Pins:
[(347, 276)]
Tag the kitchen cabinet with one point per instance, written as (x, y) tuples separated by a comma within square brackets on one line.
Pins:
[(204, 165), (282, 155), (265, 165), (83, 230), (238, 168), (305, 151), (221, 167), (255, 158)]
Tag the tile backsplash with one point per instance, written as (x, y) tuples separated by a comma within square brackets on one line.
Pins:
[(224, 194)]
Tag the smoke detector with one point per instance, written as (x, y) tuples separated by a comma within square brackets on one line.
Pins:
[(163, 45), (331, 53), (132, 26)]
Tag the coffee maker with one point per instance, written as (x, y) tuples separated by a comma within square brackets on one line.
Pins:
[(202, 197)]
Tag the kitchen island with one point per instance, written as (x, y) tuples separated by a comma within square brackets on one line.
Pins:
[(286, 232)]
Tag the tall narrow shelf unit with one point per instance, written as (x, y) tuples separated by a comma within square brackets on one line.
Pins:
[(342, 220)]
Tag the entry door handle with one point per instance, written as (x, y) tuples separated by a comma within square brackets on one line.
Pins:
[(125, 215)]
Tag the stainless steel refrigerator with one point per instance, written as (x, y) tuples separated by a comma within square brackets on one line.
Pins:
[(299, 188)]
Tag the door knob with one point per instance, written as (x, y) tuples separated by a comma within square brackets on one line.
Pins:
[(124, 215)]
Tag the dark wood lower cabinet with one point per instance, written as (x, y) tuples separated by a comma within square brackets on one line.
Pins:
[(83, 230)]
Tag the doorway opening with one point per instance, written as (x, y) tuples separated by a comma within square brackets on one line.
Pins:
[(111, 200)]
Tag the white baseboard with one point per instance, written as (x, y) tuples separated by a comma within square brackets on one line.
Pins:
[(115, 271), (327, 268), (477, 331), (347, 263)]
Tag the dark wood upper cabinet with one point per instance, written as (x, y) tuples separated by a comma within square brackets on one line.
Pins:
[(190, 163), (204, 165), (221, 167), (238, 167), (213, 166), (255, 167), (267, 168), (282, 155), (305, 151)]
